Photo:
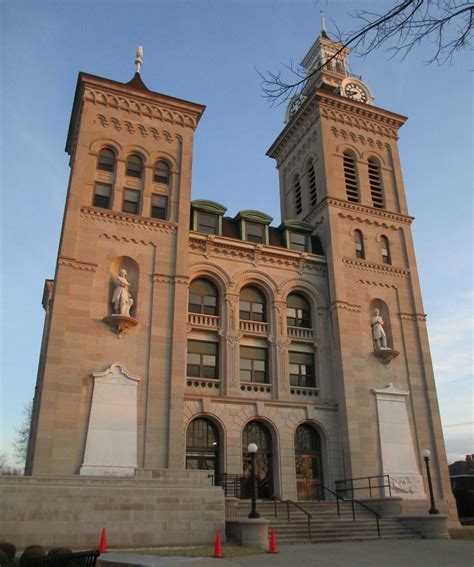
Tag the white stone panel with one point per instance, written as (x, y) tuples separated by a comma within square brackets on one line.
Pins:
[(111, 446)]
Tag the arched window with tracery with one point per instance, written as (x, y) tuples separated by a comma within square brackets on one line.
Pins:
[(375, 181), (359, 244), (313, 197), (258, 433), (202, 445), (350, 176), (203, 297), (298, 196)]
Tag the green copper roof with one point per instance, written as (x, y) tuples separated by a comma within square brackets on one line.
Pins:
[(208, 206), (255, 216), (297, 225)]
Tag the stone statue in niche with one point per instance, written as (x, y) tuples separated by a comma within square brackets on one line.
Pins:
[(121, 299), (378, 332)]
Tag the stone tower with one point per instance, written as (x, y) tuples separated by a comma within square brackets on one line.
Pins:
[(339, 171), (127, 208)]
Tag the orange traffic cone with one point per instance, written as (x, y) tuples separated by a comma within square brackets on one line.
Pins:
[(217, 546), (103, 542), (272, 548)]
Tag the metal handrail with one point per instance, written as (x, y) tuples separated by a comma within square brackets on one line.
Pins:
[(352, 501), (344, 482), (288, 502)]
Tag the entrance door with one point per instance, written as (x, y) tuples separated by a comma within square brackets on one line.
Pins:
[(309, 477), (202, 446), (256, 432)]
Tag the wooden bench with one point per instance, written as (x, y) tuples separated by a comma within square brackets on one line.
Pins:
[(73, 559)]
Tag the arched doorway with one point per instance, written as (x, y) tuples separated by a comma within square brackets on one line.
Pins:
[(256, 432), (309, 471), (202, 446)]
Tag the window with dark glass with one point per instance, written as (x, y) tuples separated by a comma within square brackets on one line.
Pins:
[(134, 167), (203, 297), (161, 173), (207, 223), (159, 205), (385, 249), (301, 369), (298, 313), (131, 201), (202, 359), (298, 241), (102, 195), (252, 304), (255, 232), (106, 161), (359, 244), (253, 364)]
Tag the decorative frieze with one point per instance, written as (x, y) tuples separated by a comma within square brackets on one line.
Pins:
[(412, 316), (374, 267), (76, 264), (337, 305), (357, 138), (136, 128), (130, 221)]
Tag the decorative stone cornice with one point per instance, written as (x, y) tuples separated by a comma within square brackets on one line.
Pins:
[(378, 284), (373, 267), (136, 105), (126, 239), (136, 128), (169, 279), (412, 316), (76, 264), (344, 305), (122, 219), (379, 217), (357, 138)]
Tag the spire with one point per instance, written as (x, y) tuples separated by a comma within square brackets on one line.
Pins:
[(139, 59), (323, 26)]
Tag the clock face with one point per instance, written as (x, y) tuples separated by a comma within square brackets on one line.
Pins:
[(355, 92), (296, 104)]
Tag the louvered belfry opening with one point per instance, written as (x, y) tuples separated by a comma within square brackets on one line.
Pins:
[(313, 197), (298, 198), (350, 176), (375, 180)]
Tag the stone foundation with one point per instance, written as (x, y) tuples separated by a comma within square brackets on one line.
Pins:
[(181, 508)]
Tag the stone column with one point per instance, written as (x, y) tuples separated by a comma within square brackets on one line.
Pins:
[(230, 382), (117, 188)]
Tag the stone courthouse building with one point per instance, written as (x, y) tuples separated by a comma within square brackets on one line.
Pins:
[(176, 334)]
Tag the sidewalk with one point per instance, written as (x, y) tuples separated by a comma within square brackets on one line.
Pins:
[(382, 553)]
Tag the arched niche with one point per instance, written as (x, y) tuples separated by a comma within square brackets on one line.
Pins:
[(133, 273), (385, 314)]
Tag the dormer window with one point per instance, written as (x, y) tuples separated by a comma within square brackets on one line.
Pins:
[(206, 216), (297, 235), (254, 226)]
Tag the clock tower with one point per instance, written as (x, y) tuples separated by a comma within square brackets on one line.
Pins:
[(339, 171)]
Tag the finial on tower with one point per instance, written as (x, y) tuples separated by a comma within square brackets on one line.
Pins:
[(139, 59), (323, 25)]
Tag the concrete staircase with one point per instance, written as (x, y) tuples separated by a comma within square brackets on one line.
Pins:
[(326, 525)]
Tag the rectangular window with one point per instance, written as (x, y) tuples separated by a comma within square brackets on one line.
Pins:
[(302, 369), (253, 364), (202, 359), (102, 195), (207, 223), (255, 232), (159, 206), (131, 201), (298, 241)]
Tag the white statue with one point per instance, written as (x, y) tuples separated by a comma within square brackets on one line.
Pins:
[(378, 332), (122, 299)]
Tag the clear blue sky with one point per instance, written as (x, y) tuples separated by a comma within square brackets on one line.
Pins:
[(207, 52)]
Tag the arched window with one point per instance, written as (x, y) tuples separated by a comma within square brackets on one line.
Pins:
[(298, 312), (134, 166), (298, 197), (202, 445), (375, 181), (385, 249), (252, 304), (313, 197), (203, 297), (256, 432), (359, 244), (161, 173), (106, 160), (350, 177)]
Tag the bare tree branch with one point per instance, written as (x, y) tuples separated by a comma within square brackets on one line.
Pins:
[(447, 23)]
